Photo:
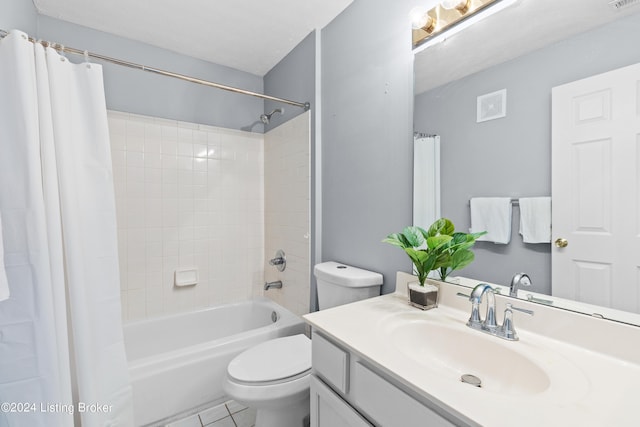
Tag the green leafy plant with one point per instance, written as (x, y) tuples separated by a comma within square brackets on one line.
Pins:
[(440, 248)]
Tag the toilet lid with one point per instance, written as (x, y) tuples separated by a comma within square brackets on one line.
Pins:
[(273, 360)]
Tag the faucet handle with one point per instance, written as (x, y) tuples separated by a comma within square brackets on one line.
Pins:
[(280, 261), (507, 330), (474, 320), (521, 310)]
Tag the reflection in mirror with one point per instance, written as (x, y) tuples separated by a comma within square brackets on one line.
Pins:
[(426, 179), (511, 156)]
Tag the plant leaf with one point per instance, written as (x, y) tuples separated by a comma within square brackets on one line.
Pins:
[(416, 261), (441, 226), (397, 239), (442, 260), (461, 238), (435, 242), (423, 261), (478, 234), (424, 232), (461, 259), (413, 236)]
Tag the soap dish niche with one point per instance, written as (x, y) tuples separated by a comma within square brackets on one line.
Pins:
[(186, 277)]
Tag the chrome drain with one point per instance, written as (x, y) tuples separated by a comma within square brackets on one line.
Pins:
[(471, 380)]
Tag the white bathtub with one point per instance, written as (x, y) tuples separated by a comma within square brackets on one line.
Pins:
[(177, 363)]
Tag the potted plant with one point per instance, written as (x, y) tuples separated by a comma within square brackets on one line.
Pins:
[(439, 249)]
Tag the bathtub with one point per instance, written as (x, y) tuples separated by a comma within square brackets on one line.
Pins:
[(177, 363)]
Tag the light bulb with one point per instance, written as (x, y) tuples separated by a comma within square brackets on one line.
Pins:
[(418, 17), (420, 20), (454, 4)]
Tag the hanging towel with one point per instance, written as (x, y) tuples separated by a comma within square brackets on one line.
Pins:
[(4, 283), (535, 219), (493, 215)]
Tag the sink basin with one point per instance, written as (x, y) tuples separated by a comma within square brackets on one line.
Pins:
[(456, 351)]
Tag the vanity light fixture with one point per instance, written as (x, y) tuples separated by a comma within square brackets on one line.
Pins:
[(448, 18), (461, 5)]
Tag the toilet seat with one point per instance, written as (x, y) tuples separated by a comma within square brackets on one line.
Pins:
[(272, 362)]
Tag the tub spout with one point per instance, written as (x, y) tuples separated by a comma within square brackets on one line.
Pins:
[(277, 284)]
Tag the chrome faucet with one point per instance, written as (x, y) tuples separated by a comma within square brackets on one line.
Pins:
[(489, 324), (475, 322), (521, 279), (277, 285)]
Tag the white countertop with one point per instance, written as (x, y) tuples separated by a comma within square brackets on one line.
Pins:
[(588, 386)]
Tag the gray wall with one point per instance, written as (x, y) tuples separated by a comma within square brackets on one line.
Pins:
[(367, 93), (18, 14), (512, 156), (294, 78), (135, 91)]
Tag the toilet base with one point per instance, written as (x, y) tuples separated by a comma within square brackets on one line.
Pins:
[(295, 414)]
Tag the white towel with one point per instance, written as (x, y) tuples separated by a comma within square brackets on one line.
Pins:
[(4, 283), (535, 219), (493, 215)]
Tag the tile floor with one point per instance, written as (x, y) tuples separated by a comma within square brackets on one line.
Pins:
[(228, 414)]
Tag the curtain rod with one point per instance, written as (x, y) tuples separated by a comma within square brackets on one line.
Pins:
[(514, 201), (65, 49)]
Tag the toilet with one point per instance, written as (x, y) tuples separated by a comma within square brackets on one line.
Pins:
[(273, 377)]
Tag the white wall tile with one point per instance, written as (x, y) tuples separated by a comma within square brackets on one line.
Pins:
[(286, 211), (179, 207), (169, 133)]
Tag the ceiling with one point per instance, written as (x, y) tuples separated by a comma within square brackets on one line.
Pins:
[(248, 35), (525, 26), (254, 35)]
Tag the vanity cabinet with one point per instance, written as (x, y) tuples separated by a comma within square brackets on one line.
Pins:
[(329, 410), (348, 391)]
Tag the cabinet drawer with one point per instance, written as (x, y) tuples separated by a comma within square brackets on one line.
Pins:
[(329, 410), (330, 362), (388, 405)]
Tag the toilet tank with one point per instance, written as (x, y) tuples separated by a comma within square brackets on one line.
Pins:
[(341, 284)]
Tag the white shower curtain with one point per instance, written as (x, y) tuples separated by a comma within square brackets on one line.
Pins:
[(61, 340), (426, 179)]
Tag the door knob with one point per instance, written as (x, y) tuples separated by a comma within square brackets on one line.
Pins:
[(561, 243)]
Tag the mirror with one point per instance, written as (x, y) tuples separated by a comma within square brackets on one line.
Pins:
[(526, 49)]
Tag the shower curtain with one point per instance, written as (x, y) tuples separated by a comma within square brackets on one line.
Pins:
[(61, 341), (426, 179)]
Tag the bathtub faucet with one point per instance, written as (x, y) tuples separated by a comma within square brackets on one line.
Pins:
[(277, 284), (280, 261)]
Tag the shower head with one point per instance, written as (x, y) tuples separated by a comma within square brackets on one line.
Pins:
[(266, 118)]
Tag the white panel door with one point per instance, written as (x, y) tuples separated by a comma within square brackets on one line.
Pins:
[(595, 186)]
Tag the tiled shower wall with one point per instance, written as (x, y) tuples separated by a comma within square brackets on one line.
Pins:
[(287, 210), (187, 196)]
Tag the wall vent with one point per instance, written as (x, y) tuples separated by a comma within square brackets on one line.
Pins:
[(619, 4)]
